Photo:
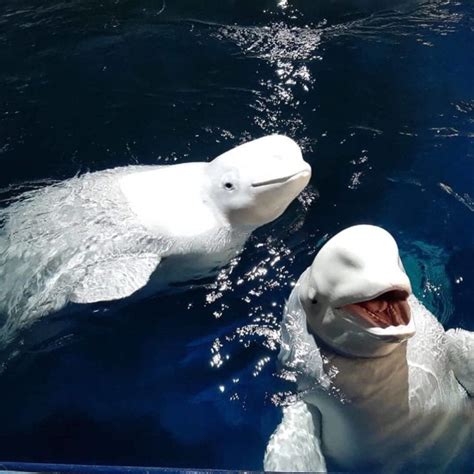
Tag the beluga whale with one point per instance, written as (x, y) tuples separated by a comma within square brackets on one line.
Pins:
[(106, 235), (381, 385)]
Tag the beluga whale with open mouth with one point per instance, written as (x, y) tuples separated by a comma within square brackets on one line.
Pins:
[(380, 383), (106, 235)]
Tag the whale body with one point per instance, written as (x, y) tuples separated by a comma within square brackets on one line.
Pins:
[(381, 384), (106, 235)]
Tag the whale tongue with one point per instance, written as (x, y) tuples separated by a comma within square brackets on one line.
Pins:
[(389, 309)]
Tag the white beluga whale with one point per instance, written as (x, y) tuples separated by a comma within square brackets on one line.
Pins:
[(381, 384), (105, 235)]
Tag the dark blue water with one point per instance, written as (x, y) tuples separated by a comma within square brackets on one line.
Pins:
[(380, 95)]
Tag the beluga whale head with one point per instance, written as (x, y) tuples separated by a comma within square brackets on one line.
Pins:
[(355, 294), (254, 183)]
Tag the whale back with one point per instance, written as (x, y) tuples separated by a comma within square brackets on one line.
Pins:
[(52, 236), (172, 200)]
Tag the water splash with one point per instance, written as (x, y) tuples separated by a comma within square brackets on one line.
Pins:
[(389, 26)]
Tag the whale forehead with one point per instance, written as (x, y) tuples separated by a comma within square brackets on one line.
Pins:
[(360, 247), (358, 262), (270, 145), (261, 155)]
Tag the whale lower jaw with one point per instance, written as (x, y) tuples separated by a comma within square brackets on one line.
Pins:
[(393, 333)]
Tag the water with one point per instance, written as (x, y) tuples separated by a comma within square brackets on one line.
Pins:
[(381, 98)]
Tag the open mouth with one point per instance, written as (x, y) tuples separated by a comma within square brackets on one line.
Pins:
[(279, 180), (388, 309)]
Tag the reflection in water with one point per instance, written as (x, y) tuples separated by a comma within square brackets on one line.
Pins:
[(259, 284), (288, 50), (417, 21), (464, 199)]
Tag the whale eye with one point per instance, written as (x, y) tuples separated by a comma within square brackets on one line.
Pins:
[(312, 296), (228, 185)]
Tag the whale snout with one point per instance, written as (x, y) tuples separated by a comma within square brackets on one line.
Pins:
[(279, 164), (300, 176)]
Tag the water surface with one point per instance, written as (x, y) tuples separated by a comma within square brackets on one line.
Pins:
[(381, 99)]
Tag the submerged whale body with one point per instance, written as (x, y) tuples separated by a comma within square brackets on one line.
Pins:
[(381, 384), (105, 235)]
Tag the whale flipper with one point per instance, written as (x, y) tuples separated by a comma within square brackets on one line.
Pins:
[(114, 278), (295, 445), (461, 354)]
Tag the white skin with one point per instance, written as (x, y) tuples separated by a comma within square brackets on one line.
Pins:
[(245, 188), (105, 235), (373, 390), (213, 207)]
